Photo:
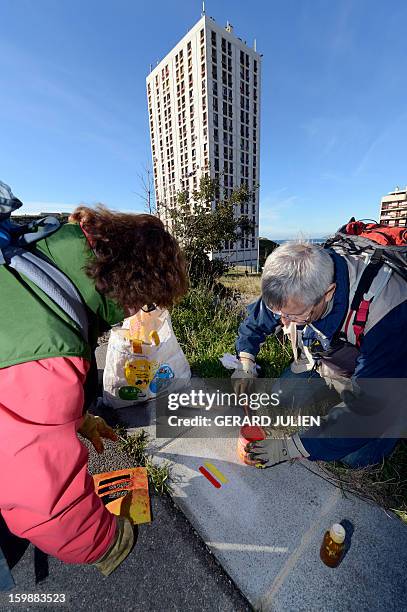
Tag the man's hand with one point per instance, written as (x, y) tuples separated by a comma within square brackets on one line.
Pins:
[(242, 378), (273, 451), (95, 428)]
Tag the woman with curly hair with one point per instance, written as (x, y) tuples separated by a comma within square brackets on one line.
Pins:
[(117, 262)]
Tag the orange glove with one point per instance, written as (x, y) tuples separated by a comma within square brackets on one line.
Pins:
[(95, 428)]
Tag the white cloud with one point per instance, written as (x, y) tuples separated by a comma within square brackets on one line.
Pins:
[(274, 214), (390, 133)]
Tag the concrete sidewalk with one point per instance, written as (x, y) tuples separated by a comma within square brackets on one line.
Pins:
[(266, 527)]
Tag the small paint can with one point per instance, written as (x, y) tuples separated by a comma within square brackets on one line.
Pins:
[(248, 434)]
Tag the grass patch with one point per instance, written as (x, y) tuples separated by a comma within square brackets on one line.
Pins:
[(135, 447), (206, 327), (384, 484), (247, 285), (275, 356)]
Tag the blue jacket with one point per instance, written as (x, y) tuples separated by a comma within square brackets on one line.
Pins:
[(383, 351)]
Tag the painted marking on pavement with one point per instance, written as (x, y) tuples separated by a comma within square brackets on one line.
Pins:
[(209, 476), (247, 547), (216, 472)]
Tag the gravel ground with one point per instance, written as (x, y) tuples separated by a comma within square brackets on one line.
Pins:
[(169, 569)]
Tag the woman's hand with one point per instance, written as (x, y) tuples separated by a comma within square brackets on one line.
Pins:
[(95, 428)]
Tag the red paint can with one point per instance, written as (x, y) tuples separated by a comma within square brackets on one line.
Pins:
[(249, 434)]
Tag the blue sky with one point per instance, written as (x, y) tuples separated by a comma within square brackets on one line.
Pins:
[(73, 112)]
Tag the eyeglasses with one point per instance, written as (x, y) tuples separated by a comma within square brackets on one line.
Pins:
[(296, 318), (300, 318)]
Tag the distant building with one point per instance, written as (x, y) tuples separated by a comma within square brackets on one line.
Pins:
[(204, 114), (22, 219), (393, 208)]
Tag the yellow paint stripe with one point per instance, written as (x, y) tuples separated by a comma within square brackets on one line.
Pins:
[(216, 472)]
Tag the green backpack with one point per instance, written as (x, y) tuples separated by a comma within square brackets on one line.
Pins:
[(16, 252)]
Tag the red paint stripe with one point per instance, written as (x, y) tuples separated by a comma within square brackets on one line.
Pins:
[(209, 476)]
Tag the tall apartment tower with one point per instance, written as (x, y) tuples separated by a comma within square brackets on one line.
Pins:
[(204, 113), (393, 208)]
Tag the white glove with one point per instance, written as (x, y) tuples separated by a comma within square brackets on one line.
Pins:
[(244, 373), (272, 451)]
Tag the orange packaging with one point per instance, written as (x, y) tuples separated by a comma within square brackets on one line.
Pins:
[(249, 434), (129, 488)]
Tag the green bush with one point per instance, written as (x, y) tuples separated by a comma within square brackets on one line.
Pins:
[(206, 325)]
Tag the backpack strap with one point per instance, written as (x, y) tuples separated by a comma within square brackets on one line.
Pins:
[(360, 320), (54, 283), (369, 273), (373, 280), (13, 234)]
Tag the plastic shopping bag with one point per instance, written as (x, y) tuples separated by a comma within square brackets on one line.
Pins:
[(143, 360)]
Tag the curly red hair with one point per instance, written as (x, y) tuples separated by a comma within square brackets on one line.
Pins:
[(137, 261)]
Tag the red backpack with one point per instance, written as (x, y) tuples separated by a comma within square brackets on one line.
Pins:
[(379, 245), (382, 234)]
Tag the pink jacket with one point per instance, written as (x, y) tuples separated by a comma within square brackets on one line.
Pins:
[(46, 492)]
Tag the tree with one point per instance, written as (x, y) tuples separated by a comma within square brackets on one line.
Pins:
[(266, 246), (146, 185), (202, 223)]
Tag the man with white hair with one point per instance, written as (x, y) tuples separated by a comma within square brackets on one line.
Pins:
[(346, 316)]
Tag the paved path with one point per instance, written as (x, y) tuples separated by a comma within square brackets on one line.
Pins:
[(265, 528)]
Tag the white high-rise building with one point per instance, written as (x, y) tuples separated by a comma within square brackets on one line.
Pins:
[(204, 113), (393, 208)]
